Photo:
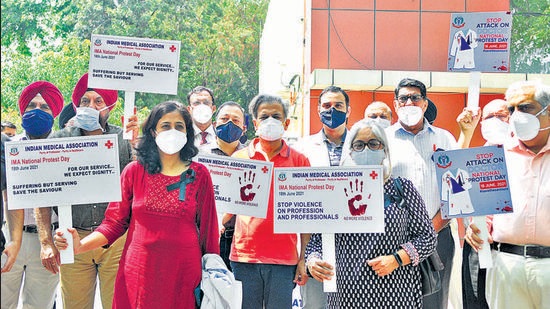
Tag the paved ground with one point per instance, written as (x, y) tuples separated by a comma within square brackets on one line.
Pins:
[(455, 297), (59, 302)]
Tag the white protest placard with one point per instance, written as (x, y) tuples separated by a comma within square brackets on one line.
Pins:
[(134, 64), (240, 186), (62, 171), (329, 200), (329, 255), (473, 92)]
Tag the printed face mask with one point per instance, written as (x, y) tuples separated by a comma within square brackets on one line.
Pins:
[(270, 129), (202, 113), (332, 118), (37, 122), (494, 130), (171, 141), (368, 157), (87, 118), (228, 132), (524, 125), (410, 115)]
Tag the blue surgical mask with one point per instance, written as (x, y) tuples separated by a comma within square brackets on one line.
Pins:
[(333, 118), (37, 122), (87, 118), (228, 132)]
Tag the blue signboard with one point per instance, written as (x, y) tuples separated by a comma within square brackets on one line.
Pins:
[(473, 182), (480, 42)]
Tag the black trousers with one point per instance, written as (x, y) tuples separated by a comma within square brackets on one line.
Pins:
[(225, 247), (445, 249), (2, 241), (473, 280)]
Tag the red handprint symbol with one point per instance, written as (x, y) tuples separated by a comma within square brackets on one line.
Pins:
[(361, 208), (247, 184)]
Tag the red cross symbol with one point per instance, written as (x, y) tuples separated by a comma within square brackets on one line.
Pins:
[(373, 175), (173, 48), (265, 169), (109, 144)]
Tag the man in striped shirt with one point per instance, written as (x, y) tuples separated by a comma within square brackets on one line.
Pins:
[(413, 142)]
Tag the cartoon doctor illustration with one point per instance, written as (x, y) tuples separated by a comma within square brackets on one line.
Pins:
[(463, 49), (454, 190)]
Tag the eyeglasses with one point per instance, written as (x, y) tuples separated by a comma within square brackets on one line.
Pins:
[(373, 144), (415, 98), (526, 108)]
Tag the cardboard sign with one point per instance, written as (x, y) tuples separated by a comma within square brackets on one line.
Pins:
[(134, 64), (473, 182), (240, 186), (329, 200), (480, 42), (62, 171)]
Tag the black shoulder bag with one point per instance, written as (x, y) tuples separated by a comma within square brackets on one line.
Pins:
[(429, 267)]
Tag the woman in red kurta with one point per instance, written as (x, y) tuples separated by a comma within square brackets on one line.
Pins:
[(169, 211)]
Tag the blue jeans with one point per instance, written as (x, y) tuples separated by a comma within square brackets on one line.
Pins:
[(266, 286), (313, 296)]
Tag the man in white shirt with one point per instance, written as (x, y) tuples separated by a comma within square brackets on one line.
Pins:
[(413, 142)]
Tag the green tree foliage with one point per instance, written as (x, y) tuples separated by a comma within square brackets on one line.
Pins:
[(35, 23), (62, 67), (530, 50), (220, 44)]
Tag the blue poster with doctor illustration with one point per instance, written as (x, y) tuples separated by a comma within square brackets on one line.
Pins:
[(473, 182), (480, 42)]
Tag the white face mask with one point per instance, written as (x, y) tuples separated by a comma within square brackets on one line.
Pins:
[(410, 115), (202, 113), (87, 118), (526, 126), (381, 122), (270, 129), (171, 141), (494, 131), (368, 157)]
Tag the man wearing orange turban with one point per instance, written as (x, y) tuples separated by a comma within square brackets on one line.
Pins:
[(78, 280), (92, 106), (39, 103), (110, 97)]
